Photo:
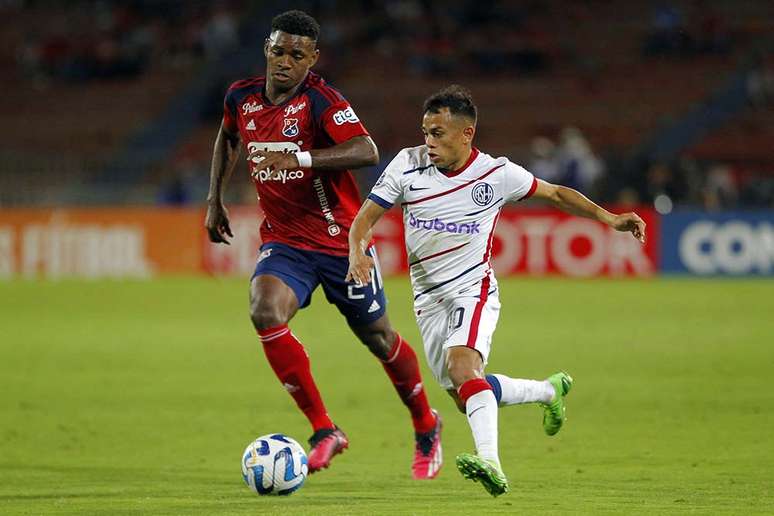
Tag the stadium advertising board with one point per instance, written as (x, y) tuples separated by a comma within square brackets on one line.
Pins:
[(99, 243), (139, 242), (732, 243)]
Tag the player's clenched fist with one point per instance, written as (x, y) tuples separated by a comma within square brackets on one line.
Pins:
[(360, 266)]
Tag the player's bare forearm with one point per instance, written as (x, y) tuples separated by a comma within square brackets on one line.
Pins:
[(573, 202), (356, 152), (360, 264), (225, 155), (360, 232)]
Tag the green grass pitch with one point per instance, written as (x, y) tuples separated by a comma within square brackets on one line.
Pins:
[(139, 397)]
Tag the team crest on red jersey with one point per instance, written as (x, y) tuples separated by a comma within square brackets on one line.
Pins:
[(290, 129)]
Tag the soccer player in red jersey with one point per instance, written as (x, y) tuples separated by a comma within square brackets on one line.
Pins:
[(302, 137)]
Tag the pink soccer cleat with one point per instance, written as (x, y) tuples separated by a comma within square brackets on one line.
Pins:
[(428, 454), (325, 444)]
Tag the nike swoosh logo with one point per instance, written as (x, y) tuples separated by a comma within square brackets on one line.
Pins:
[(471, 414), (411, 188)]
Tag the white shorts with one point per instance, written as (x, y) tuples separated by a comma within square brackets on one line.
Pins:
[(462, 321)]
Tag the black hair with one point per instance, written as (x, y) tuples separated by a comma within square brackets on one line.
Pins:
[(457, 99), (298, 23)]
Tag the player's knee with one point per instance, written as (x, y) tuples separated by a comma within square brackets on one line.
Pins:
[(266, 316), (379, 341), (460, 371)]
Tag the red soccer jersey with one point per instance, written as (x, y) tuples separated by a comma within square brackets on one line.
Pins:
[(304, 208)]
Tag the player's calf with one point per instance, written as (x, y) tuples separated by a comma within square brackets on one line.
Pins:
[(457, 401), (378, 337), (515, 391)]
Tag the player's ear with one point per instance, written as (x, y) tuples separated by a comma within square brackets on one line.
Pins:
[(469, 132), (266, 47), (315, 57)]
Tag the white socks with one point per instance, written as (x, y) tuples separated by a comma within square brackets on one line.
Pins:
[(516, 391), (481, 410)]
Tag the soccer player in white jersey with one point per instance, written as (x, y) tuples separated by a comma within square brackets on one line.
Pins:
[(451, 195)]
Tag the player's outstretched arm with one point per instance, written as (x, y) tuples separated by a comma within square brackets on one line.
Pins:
[(225, 155), (574, 202), (360, 264), (356, 152)]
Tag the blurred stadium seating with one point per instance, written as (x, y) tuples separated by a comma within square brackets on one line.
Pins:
[(81, 87)]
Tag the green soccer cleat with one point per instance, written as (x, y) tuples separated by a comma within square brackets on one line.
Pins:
[(554, 412), (477, 469)]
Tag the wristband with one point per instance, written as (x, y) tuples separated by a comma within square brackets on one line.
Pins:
[(304, 159)]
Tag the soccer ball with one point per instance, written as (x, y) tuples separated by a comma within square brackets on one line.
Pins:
[(274, 464)]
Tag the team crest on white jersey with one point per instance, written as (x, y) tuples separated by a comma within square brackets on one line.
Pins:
[(290, 129), (482, 194)]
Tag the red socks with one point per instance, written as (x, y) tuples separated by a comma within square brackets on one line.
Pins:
[(290, 363), (472, 387), (403, 369)]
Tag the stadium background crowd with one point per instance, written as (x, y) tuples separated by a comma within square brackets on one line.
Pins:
[(670, 103)]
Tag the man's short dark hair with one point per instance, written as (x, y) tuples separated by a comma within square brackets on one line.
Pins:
[(457, 99), (296, 22)]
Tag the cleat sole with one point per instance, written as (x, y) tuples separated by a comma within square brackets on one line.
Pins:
[(471, 469)]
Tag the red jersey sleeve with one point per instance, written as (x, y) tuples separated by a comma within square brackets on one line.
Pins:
[(334, 115), (341, 123)]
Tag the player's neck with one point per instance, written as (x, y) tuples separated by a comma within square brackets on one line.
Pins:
[(461, 162), (276, 97)]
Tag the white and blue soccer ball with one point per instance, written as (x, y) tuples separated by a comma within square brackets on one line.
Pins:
[(274, 464)]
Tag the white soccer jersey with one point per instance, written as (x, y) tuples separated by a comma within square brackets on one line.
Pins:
[(449, 219)]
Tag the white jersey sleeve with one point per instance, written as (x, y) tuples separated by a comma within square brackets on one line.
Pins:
[(388, 189), (518, 182)]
